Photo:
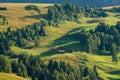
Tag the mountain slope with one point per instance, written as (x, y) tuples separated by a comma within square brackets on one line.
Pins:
[(56, 39), (18, 17), (98, 3)]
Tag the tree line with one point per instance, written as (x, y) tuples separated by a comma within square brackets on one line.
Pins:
[(3, 8), (114, 9), (33, 67), (21, 37), (104, 37), (56, 14), (70, 12)]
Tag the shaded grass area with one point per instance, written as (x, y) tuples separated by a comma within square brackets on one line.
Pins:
[(67, 43)]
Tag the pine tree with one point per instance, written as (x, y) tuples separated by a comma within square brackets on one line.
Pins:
[(2, 48), (22, 70), (5, 65), (42, 31), (71, 76), (14, 66), (113, 48), (37, 43), (55, 75), (19, 72), (115, 58)]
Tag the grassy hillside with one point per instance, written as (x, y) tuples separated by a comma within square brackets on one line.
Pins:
[(18, 17), (105, 67), (57, 39), (6, 76)]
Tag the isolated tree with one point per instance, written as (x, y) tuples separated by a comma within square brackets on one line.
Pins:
[(42, 31), (37, 43), (115, 58), (113, 48)]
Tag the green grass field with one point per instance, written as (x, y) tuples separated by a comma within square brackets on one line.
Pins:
[(105, 67), (56, 39)]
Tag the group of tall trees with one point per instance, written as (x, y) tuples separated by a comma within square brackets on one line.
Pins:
[(5, 65), (104, 37), (70, 12), (32, 7), (114, 9), (21, 37), (56, 14), (34, 67)]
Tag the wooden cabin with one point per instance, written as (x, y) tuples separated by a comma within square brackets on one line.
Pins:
[(61, 51)]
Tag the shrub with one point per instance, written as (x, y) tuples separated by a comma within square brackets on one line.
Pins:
[(3, 8), (32, 7)]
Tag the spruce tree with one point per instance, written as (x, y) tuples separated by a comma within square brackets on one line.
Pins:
[(115, 58), (22, 71), (5, 65)]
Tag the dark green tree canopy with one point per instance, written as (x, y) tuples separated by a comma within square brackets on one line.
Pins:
[(5, 65)]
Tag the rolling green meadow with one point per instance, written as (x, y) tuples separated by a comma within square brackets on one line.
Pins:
[(57, 39)]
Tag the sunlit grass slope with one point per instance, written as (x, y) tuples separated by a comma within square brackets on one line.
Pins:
[(6, 76), (18, 17), (105, 67), (57, 39)]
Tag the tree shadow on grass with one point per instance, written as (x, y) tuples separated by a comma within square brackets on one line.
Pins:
[(75, 30), (114, 78), (104, 62), (103, 53), (114, 72), (67, 42), (67, 38), (33, 17), (63, 40), (94, 21), (68, 49), (36, 16)]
